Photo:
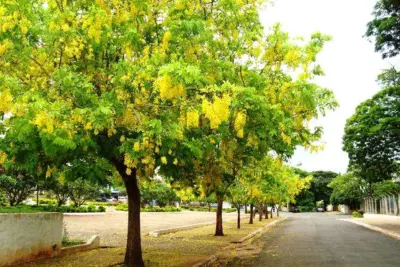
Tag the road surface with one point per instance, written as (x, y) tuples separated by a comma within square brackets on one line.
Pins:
[(319, 239)]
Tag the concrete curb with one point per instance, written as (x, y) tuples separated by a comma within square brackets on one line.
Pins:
[(83, 213), (259, 231), (206, 262), (158, 233), (92, 243), (375, 228)]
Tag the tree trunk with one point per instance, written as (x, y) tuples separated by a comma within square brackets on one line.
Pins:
[(277, 211), (260, 213), (238, 217), (245, 208), (209, 207), (272, 213), (266, 211), (251, 213), (133, 254), (218, 227)]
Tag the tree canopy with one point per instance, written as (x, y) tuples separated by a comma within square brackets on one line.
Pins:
[(385, 27), (372, 136), (194, 88)]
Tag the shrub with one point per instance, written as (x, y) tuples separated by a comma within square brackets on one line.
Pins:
[(306, 208), (91, 208), (101, 209), (47, 202), (124, 207), (357, 214)]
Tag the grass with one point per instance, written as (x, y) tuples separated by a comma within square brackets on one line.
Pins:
[(184, 248), (70, 243), (49, 208)]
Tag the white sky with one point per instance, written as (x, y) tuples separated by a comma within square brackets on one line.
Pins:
[(349, 61)]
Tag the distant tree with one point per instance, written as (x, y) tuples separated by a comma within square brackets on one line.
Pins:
[(372, 137), (348, 189), (319, 185), (61, 190), (159, 191), (17, 186), (81, 191), (385, 27)]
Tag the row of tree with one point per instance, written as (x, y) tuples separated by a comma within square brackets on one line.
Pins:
[(372, 134), (197, 90)]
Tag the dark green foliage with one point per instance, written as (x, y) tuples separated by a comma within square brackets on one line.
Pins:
[(305, 201), (17, 186), (319, 185), (385, 27), (347, 189), (82, 190), (159, 191), (101, 209), (372, 137)]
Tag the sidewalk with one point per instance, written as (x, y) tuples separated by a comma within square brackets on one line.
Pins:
[(386, 224)]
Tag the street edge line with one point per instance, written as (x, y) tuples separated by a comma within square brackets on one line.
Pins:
[(262, 229)]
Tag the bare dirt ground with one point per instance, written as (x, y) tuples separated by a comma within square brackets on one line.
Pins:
[(112, 226)]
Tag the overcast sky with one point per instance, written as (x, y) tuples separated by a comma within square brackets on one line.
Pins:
[(349, 61)]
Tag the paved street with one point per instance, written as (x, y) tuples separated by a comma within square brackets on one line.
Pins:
[(319, 239)]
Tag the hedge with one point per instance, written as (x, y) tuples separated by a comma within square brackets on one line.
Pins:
[(50, 208), (197, 208), (124, 207)]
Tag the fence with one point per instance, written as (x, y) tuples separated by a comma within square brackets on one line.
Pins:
[(388, 205)]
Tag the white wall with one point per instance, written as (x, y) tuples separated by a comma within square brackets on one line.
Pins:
[(30, 236)]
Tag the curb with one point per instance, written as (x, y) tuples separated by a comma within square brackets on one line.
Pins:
[(92, 243), (213, 258), (158, 233), (375, 228), (206, 262), (83, 213), (259, 231)]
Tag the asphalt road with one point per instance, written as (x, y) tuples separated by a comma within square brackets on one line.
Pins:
[(318, 239)]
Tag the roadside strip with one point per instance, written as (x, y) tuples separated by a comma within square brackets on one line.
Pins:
[(375, 228), (209, 261)]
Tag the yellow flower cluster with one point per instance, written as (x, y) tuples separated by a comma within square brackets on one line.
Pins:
[(50, 171), (192, 119), (240, 121), (169, 90), (44, 122), (218, 111), (3, 157), (5, 101), (6, 44), (286, 138), (165, 40)]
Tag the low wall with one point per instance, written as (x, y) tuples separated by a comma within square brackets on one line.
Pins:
[(29, 236)]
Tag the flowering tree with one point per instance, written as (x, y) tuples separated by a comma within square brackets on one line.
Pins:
[(141, 84)]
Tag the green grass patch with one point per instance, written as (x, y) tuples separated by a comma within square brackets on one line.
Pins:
[(50, 208), (184, 248)]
